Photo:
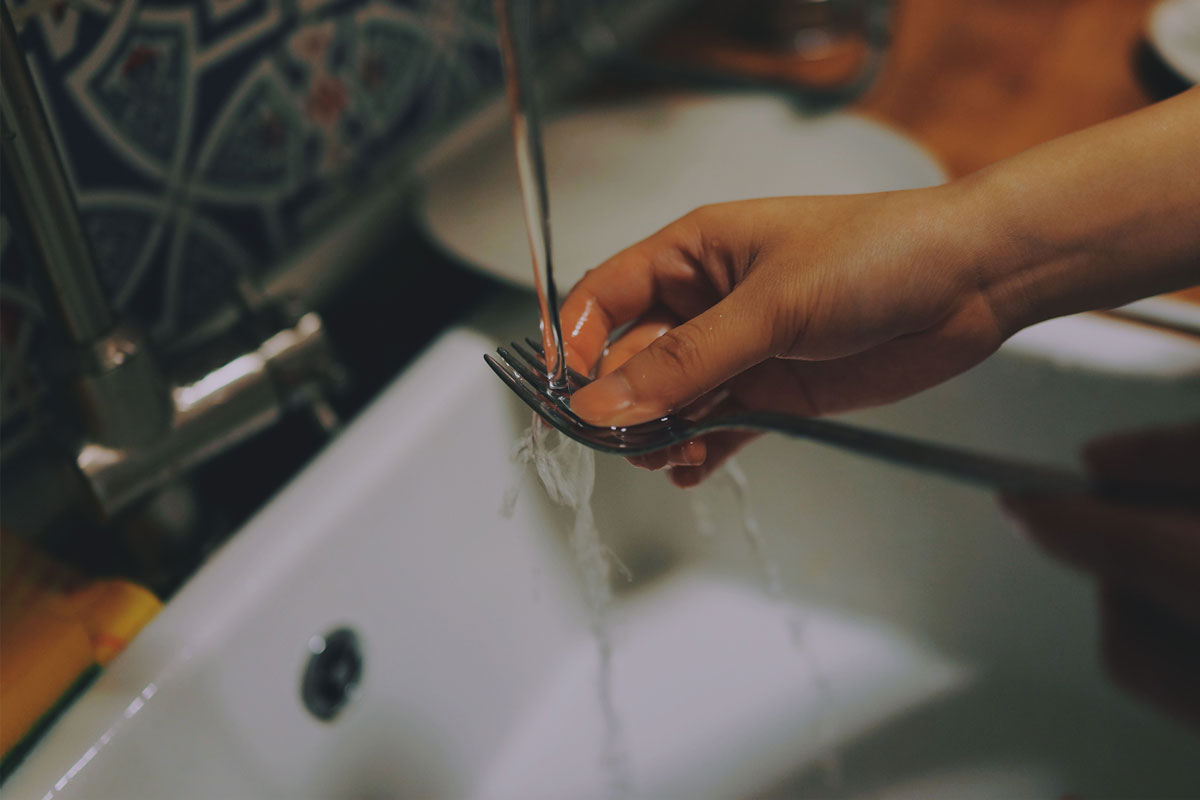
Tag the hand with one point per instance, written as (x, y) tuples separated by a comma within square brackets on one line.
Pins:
[(800, 305), (823, 304), (1147, 562)]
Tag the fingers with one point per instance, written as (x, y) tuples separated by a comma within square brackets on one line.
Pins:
[(690, 453), (638, 337), (692, 463), (1150, 652), (1157, 550), (681, 365), (720, 447), (658, 272)]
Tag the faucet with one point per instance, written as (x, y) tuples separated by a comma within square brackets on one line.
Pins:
[(118, 390), (138, 428)]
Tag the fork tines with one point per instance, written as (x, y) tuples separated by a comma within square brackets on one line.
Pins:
[(574, 379), (532, 372), (534, 391)]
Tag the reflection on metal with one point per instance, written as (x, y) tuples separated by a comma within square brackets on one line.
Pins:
[(215, 411), (118, 391), (139, 431), (216, 385), (32, 164)]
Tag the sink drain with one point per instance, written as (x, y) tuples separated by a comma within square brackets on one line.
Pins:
[(333, 673)]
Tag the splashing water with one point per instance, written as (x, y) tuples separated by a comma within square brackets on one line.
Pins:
[(751, 532), (567, 471), (732, 477)]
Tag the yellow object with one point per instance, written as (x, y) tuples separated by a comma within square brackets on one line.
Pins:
[(55, 625)]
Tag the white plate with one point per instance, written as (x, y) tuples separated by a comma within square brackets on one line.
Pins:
[(1174, 30), (619, 172)]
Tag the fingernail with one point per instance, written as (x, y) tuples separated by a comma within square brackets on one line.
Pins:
[(689, 454), (607, 401)]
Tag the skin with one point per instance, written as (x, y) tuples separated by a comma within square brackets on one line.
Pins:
[(814, 305), (1146, 562), (817, 305)]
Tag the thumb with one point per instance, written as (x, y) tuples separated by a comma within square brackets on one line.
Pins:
[(679, 366)]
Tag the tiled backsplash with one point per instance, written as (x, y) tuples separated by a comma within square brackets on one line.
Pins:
[(205, 138)]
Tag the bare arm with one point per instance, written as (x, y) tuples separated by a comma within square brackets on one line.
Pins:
[(1097, 218), (815, 305)]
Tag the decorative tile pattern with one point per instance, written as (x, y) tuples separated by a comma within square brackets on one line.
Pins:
[(202, 138), (21, 317)]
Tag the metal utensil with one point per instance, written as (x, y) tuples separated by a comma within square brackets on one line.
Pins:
[(524, 371)]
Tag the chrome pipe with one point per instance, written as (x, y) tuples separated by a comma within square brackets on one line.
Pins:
[(212, 412), (40, 183)]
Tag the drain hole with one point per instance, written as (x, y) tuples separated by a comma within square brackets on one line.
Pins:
[(332, 674)]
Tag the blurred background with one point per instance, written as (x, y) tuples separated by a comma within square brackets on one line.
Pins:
[(244, 172), (208, 256)]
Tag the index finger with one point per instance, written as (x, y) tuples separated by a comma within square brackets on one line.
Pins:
[(660, 271)]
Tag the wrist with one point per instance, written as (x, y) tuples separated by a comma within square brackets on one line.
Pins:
[(1095, 219), (1011, 260)]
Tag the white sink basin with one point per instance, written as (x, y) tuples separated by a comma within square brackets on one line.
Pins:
[(937, 654)]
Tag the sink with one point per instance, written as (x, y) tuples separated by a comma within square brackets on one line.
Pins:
[(916, 647)]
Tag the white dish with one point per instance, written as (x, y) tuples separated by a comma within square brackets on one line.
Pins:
[(1173, 29), (619, 172)]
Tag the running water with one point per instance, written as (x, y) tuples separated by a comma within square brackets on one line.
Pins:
[(732, 476), (513, 18), (767, 567), (567, 470)]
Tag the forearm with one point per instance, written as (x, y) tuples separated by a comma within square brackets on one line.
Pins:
[(1092, 220)]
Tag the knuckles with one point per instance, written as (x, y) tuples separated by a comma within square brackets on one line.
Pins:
[(679, 350)]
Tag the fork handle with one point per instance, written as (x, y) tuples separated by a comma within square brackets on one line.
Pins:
[(991, 471)]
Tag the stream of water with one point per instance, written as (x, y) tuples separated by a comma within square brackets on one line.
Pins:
[(513, 17), (732, 477), (567, 470)]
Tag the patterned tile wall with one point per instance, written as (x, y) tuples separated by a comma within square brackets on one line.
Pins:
[(203, 137)]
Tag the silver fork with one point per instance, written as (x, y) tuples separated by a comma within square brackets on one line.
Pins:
[(524, 371)]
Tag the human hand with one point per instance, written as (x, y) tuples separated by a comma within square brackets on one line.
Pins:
[(822, 304), (807, 305), (1147, 562)]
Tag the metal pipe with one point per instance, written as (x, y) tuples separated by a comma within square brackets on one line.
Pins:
[(212, 412), (38, 178)]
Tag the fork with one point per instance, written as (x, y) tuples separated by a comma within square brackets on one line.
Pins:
[(524, 372)]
